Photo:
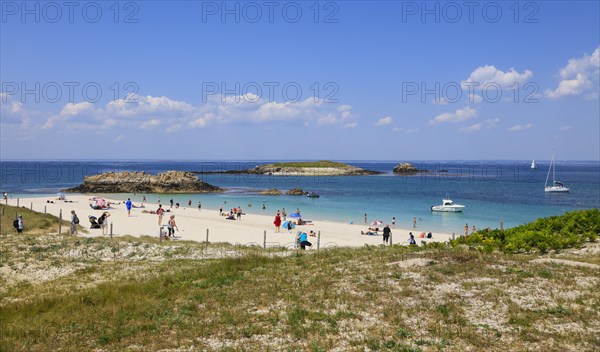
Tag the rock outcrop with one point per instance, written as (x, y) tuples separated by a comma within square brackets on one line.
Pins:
[(407, 169), (271, 192), (295, 192), (141, 182)]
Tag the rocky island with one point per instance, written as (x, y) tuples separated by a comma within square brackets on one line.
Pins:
[(407, 169), (302, 168), (141, 182)]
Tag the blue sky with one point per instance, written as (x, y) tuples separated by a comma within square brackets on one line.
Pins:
[(356, 80)]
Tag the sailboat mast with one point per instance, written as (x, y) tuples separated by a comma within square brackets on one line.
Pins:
[(548, 175)]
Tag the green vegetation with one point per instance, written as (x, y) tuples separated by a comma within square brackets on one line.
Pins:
[(73, 294), (314, 164), (35, 223), (554, 233)]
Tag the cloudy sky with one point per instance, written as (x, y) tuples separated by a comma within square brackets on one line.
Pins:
[(297, 80)]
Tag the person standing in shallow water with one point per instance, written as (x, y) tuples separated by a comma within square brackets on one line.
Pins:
[(414, 222), (466, 229), (128, 205), (365, 218), (171, 202), (394, 222)]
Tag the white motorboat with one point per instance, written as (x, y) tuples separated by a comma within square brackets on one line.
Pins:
[(448, 206), (533, 165), (557, 186)]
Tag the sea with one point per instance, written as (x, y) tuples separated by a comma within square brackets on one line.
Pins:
[(496, 193)]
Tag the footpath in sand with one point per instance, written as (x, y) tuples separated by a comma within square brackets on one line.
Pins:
[(193, 224)]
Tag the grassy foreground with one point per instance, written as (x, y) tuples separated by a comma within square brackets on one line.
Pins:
[(132, 294)]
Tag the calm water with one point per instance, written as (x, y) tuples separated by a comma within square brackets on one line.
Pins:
[(505, 191)]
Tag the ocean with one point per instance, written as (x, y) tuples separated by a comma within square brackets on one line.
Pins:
[(494, 192)]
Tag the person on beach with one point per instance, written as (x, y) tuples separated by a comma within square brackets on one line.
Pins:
[(414, 222), (386, 234), (158, 201), (298, 211), (239, 213), (394, 222), (189, 203), (103, 221), (365, 218), (221, 210), (277, 222), (466, 229), (284, 214), (289, 226), (128, 205), (304, 241), (171, 201), (411, 239), (171, 226), (473, 230), (429, 234), (160, 212), (20, 224), (199, 206), (74, 222), (144, 198)]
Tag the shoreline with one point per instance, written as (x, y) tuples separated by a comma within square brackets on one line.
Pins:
[(194, 223)]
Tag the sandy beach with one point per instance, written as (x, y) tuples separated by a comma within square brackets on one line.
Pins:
[(193, 224)]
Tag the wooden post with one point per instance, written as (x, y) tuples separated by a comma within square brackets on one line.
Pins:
[(31, 207), (265, 240), (206, 246), (391, 233), (160, 234), (60, 222), (111, 227), (501, 225), (44, 209), (318, 240), (17, 202)]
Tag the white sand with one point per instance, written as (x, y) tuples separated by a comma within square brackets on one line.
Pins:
[(193, 224)]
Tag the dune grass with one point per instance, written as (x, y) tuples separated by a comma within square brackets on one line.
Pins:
[(138, 294)]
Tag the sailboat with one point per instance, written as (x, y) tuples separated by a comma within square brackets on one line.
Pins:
[(557, 186), (533, 165)]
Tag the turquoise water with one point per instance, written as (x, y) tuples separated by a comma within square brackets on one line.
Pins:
[(506, 191)]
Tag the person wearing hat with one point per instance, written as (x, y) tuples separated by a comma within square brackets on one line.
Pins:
[(20, 225), (386, 234)]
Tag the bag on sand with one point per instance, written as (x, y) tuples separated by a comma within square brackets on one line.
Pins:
[(16, 223)]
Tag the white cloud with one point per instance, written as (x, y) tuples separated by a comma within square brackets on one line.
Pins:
[(351, 125), (566, 87), (406, 130), (119, 138), (384, 121), (578, 76), (473, 128), (489, 74), (487, 124), (517, 128), (459, 115), (150, 124), (566, 128)]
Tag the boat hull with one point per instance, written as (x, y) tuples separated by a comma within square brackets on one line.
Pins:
[(447, 209), (557, 189)]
